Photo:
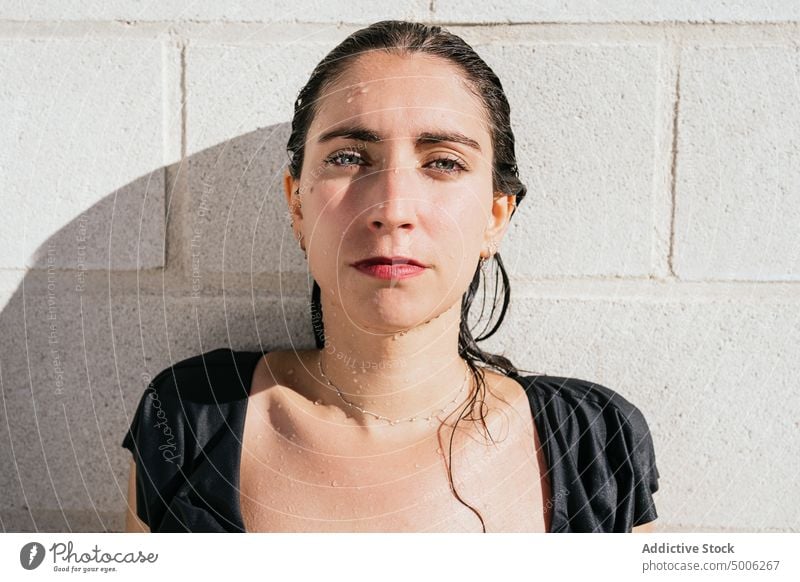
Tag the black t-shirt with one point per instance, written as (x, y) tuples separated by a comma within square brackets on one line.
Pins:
[(186, 438)]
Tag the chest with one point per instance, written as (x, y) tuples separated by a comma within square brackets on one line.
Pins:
[(290, 484)]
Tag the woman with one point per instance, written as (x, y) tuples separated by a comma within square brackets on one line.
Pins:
[(401, 185)]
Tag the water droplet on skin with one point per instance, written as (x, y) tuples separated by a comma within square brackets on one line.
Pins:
[(417, 465), (317, 402), (334, 483), (439, 451), (349, 99)]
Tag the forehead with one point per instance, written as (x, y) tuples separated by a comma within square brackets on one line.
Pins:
[(402, 95)]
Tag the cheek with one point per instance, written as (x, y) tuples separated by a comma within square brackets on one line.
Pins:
[(466, 222), (324, 211)]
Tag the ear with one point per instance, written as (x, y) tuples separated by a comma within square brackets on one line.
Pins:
[(503, 206), (290, 187)]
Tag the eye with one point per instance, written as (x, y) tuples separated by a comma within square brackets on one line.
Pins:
[(449, 165), (341, 158)]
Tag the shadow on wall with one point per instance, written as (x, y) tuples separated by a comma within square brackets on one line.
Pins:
[(189, 258)]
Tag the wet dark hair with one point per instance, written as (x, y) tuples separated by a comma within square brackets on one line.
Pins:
[(406, 38)]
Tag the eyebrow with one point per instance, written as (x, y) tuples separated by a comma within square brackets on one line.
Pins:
[(361, 133)]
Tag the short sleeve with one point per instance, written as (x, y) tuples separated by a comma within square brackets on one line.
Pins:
[(632, 454), (601, 456), (156, 440)]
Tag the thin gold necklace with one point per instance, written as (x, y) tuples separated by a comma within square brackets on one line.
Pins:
[(381, 417)]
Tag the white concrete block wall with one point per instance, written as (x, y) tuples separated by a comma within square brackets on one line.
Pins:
[(142, 148), (85, 132), (737, 216), (238, 122), (583, 118)]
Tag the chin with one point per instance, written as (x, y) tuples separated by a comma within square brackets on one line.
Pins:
[(388, 314), (396, 314)]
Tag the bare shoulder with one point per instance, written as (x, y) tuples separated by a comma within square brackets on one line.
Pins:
[(277, 368), (506, 395)]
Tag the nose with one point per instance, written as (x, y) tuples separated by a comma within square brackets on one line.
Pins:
[(393, 203)]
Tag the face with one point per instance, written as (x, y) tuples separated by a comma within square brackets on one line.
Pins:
[(398, 163)]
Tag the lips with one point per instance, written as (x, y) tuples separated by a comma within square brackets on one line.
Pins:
[(394, 260), (390, 268)]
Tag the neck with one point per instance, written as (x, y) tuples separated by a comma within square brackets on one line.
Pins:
[(410, 373)]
